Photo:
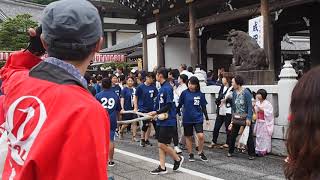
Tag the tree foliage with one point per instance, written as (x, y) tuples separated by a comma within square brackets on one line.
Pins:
[(115, 65), (13, 32)]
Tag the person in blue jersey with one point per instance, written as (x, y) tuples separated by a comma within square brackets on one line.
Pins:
[(144, 102), (194, 107), (166, 125), (115, 86), (111, 103), (127, 104), (95, 83), (91, 88)]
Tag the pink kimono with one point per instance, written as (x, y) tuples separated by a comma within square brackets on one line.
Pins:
[(264, 127)]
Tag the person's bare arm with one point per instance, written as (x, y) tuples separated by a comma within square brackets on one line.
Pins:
[(122, 104), (135, 102)]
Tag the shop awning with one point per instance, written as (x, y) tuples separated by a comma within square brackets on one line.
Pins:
[(99, 57)]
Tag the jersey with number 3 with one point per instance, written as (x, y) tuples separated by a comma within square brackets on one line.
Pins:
[(164, 98), (146, 97), (111, 103), (192, 103)]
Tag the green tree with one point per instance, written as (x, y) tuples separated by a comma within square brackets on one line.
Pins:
[(44, 2), (13, 32)]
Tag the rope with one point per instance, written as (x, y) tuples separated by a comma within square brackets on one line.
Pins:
[(144, 117)]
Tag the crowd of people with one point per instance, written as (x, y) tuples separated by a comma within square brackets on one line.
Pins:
[(55, 129), (178, 94)]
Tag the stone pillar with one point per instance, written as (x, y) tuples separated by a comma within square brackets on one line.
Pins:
[(211, 93), (288, 80)]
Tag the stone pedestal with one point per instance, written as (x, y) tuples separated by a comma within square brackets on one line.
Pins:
[(257, 77)]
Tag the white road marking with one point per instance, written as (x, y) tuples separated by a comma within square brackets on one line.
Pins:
[(188, 171)]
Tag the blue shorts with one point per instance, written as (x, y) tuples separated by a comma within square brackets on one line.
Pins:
[(112, 135)]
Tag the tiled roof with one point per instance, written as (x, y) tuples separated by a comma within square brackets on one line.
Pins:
[(137, 53), (2, 16), (12, 8)]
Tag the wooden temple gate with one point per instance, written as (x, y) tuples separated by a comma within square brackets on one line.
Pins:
[(200, 20)]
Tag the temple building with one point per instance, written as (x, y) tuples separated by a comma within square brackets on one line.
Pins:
[(192, 32), (120, 23)]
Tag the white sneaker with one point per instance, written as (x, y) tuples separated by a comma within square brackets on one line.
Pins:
[(178, 150)]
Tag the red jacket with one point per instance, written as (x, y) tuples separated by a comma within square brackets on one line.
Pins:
[(2, 118), (57, 130)]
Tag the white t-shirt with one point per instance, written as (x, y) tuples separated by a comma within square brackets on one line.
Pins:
[(187, 73), (226, 107), (204, 74), (178, 91)]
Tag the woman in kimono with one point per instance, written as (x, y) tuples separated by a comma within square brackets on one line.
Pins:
[(264, 124)]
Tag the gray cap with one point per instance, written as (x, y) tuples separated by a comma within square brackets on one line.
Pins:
[(71, 24)]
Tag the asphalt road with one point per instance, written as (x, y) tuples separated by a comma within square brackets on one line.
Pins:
[(135, 162)]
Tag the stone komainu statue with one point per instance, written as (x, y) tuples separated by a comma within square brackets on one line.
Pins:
[(247, 53)]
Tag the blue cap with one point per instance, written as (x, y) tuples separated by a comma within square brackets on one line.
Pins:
[(71, 24)]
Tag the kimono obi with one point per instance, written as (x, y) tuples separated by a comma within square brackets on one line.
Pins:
[(260, 115)]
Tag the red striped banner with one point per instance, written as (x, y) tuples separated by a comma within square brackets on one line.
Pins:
[(99, 57)]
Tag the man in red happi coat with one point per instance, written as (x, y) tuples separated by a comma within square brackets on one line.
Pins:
[(56, 129)]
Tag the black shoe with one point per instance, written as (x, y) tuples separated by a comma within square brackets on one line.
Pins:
[(191, 158), (251, 157), (182, 147), (158, 171), (111, 178), (177, 164), (111, 164), (147, 142), (203, 157), (142, 143)]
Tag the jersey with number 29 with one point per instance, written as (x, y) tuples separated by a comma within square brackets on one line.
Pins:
[(111, 103)]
